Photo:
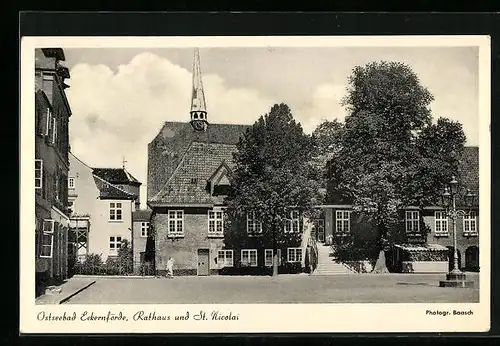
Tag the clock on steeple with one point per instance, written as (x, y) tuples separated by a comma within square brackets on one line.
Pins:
[(198, 111)]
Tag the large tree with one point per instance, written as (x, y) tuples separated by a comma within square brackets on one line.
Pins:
[(273, 173), (391, 154)]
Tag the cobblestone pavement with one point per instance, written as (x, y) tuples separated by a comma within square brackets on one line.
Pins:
[(360, 288)]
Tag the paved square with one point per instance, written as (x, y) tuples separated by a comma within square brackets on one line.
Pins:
[(361, 288)]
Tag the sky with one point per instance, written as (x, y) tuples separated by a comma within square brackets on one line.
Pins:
[(120, 97)]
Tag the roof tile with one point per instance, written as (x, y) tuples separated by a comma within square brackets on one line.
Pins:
[(188, 183)]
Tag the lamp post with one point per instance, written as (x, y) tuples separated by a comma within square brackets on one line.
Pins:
[(455, 278)]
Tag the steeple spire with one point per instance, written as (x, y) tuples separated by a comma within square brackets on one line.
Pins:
[(198, 106)]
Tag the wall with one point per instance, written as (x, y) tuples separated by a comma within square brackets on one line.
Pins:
[(463, 242), (102, 228), (139, 242), (185, 250)]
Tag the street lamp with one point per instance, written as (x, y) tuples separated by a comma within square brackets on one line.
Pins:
[(455, 278)]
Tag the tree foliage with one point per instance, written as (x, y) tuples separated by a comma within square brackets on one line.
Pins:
[(327, 142), (391, 154), (273, 172)]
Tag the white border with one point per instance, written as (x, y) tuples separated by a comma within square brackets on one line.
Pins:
[(259, 318)]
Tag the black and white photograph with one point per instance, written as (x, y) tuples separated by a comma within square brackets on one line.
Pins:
[(194, 183)]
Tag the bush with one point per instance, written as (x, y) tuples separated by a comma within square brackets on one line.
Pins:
[(91, 265), (121, 265)]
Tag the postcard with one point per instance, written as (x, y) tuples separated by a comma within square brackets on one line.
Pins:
[(255, 184)]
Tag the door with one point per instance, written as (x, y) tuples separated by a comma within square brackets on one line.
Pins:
[(320, 229), (472, 258), (203, 261)]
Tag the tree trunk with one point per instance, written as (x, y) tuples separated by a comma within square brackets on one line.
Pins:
[(381, 265), (275, 253)]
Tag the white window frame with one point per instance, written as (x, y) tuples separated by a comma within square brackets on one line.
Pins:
[(113, 251), (144, 229), (292, 254), (319, 224), (173, 216), (57, 197), (345, 222), (254, 225), (469, 220), (292, 225), (114, 207), (228, 261), (412, 220), (247, 253), (39, 186), (48, 121), (54, 130), (47, 233), (266, 253), (213, 218), (71, 182), (440, 224)]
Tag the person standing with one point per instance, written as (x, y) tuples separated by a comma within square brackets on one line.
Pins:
[(170, 268)]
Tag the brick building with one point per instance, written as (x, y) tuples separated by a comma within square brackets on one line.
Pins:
[(425, 229), (52, 113), (188, 168)]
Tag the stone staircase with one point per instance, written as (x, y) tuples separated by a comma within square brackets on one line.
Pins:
[(328, 265)]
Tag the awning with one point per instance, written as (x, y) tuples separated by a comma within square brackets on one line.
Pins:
[(424, 247), (59, 217)]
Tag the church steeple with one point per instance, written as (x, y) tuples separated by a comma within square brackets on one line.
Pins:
[(198, 111)]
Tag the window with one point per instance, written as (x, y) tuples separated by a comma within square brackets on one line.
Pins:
[(268, 257), (342, 221), (47, 241), (441, 223), (318, 230), (175, 222), (70, 206), (54, 130), (57, 195), (412, 221), (294, 254), (292, 224), (254, 225), (115, 211), (71, 182), (216, 222), (114, 244), (38, 176), (225, 258), (249, 258), (48, 122), (144, 229), (470, 223)]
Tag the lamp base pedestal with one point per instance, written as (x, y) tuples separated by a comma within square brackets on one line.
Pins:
[(456, 279)]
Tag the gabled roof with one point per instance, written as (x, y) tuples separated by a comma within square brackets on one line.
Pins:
[(173, 140), (188, 185), (109, 191), (141, 215), (116, 176), (468, 172)]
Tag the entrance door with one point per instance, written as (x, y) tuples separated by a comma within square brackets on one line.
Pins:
[(203, 261), (472, 258), (320, 230)]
